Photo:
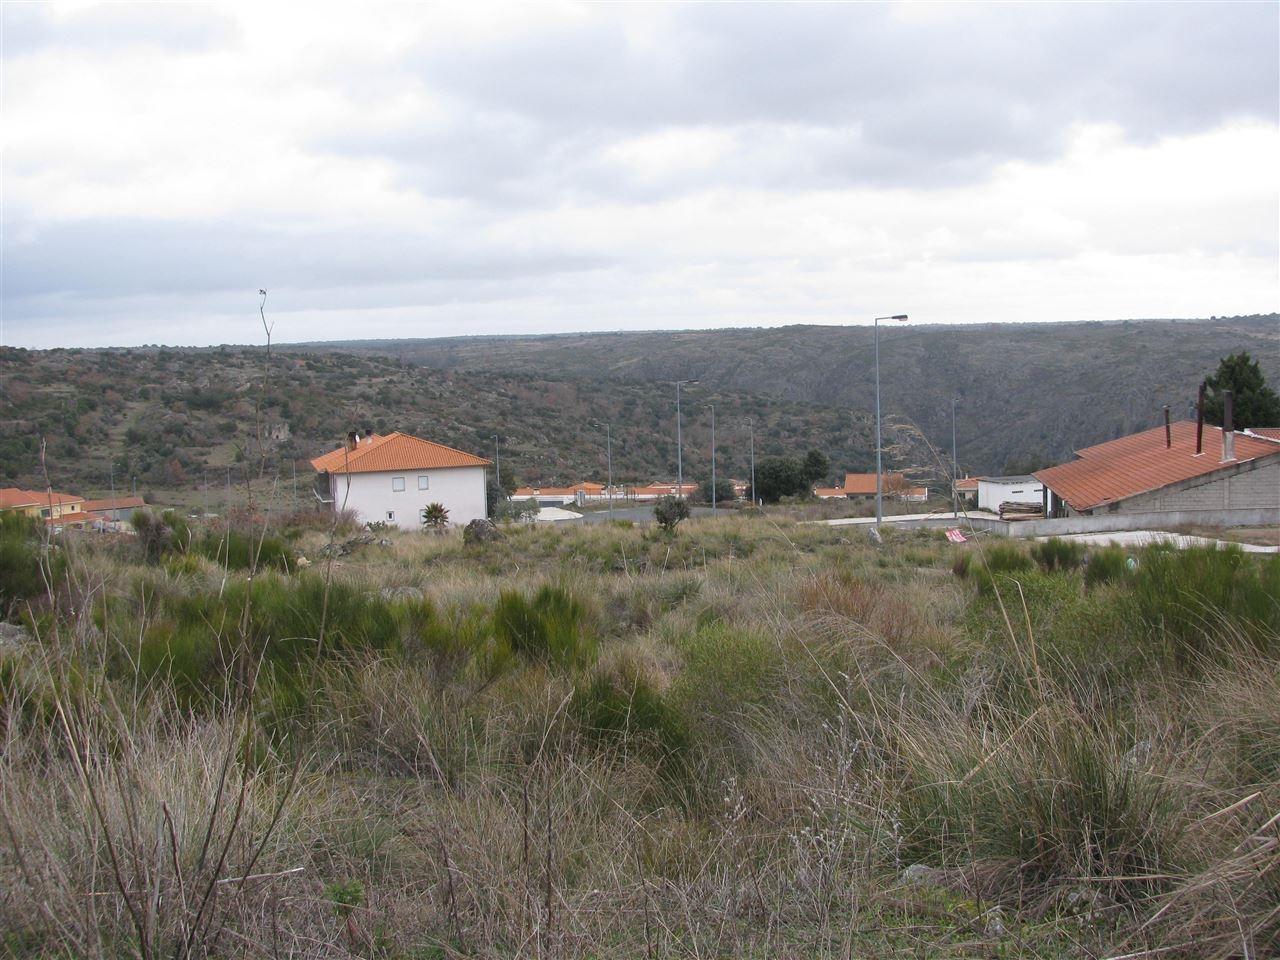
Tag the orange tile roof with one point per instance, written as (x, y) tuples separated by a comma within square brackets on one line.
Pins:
[(1122, 468), (968, 483), (11, 497), (36, 497), (864, 484), (119, 503), (585, 487), (395, 451), (1270, 433), (71, 519)]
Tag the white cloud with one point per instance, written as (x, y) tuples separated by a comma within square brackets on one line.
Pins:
[(409, 170)]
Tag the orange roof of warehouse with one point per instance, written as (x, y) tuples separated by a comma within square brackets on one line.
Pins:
[(394, 451), (865, 483), (1140, 463)]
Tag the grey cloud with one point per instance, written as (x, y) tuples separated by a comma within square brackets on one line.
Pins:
[(125, 258), (884, 100)]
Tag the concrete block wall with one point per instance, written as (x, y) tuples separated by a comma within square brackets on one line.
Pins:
[(1252, 489)]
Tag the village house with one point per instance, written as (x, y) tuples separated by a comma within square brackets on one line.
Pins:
[(1200, 473), (393, 478), (862, 486), (58, 510)]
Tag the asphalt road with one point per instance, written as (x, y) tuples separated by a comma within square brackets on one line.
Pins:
[(642, 514)]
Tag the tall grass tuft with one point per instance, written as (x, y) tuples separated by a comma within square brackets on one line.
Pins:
[(1057, 554), (552, 627), (1187, 598), (1108, 565)]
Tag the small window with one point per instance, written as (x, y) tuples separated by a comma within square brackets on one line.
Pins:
[(424, 482), (397, 484), (391, 514)]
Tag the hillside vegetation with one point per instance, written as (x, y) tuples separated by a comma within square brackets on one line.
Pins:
[(1027, 390), (1030, 394), (753, 738)]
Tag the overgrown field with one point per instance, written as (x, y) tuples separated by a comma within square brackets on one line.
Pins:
[(754, 738)]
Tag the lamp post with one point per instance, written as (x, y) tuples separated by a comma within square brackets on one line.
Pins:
[(955, 463), (608, 445), (713, 456), (497, 465), (680, 440), (879, 480), (751, 425)]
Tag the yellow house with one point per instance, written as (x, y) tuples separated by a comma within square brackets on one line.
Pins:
[(49, 506), (25, 502)]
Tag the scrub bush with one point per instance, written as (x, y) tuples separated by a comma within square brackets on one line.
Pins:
[(553, 627), (1057, 554)]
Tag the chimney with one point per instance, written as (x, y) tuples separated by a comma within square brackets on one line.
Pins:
[(352, 439), (1200, 420), (1228, 433), (1168, 430)]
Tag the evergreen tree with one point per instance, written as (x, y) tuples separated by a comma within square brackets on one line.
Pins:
[(1254, 404)]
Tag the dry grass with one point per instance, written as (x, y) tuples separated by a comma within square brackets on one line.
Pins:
[(778, 724)]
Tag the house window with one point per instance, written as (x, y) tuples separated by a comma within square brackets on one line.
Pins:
[(424, 482), (391, 514), (397, 484)]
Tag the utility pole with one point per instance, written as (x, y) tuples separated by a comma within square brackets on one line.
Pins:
[(112, 470), (713, 457), (680, 440), (608, 441), (751, 424), (497, 465), (955, 463)]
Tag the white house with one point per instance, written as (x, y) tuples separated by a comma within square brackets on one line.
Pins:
[(393, 478), (993, 491)]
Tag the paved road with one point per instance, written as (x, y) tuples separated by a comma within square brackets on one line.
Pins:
[(643, 514)]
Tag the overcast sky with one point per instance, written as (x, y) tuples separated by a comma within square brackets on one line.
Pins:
[(428, 170)]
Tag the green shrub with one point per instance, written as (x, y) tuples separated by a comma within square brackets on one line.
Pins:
[(999, 562), (245, 550), (669, 511), (1192, 599), (20, 576), (1057, 554), (202, 642), (552, 627), (1061, 800), (1106, 566), (622, 707)]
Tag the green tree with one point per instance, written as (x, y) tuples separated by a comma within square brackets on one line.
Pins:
[(496, 494), (724, 490), (778, 477), (817, 466), (1254, 404)]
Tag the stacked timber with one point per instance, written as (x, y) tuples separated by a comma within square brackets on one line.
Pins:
[(1009, 510)]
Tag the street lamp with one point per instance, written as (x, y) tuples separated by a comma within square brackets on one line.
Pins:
[(955, 463), (680, 440), (497, 466), (713, 456), (751, 425), (879, 481)]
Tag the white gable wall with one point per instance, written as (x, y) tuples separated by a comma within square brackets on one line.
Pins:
[(992, 493), (372, 497)]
